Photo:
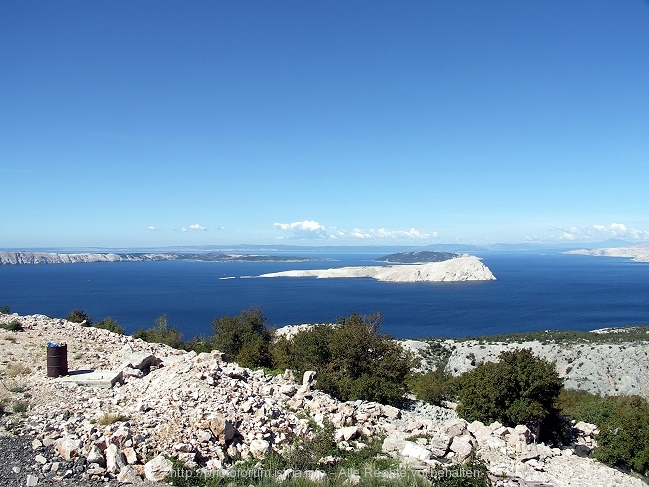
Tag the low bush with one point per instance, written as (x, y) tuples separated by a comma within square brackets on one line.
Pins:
[(20, 407), (352, 359), (4, 310), (623, 422), (473, 473), (161, 333), (13, 325), (79, 316), (518, 389), (244, 338), (110, 324), (433, 387), (111, 418)]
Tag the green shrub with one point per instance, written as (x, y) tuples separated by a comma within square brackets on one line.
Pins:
[(161, 333), (200, 344), (4, 310), (473, 473), (13, 325), (244, 338), (623, 422), (519, 389), (79, 316), (20, 407), (352, 359), (110, 324), (433, 387)]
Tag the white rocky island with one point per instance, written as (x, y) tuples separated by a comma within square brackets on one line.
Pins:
[(639, 253), (462, 268)]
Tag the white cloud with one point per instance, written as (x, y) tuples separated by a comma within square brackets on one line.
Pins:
[(382, 233), (312, 229), (192, 227), (304, 229), (614, 230), (151, 228)]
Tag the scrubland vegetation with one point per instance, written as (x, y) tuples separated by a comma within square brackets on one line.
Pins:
[(354, 360)]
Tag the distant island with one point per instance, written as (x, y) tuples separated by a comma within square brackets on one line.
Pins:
[(17, 258), (462, 268), (417, 257), (639, 253)]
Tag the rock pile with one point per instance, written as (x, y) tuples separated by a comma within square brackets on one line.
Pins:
[(205, 414)]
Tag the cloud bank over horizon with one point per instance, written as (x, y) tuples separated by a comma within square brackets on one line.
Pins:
[(312, 230)]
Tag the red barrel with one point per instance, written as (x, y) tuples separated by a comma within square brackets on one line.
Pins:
[(57, 361)]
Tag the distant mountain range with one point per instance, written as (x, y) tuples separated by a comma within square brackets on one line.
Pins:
[(15, 258)]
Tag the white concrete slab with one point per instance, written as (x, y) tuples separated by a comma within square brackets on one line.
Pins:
[(104, 379)]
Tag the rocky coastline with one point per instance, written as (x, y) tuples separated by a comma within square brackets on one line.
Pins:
[(463, 268), (638, 253), (205, 413)]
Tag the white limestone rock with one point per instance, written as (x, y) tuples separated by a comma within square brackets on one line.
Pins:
[(158, 468), (413, 450)]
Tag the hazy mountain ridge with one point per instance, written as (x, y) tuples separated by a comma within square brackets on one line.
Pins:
[(30, 258)]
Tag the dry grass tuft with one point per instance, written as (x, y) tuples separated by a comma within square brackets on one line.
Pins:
[(16, 368)]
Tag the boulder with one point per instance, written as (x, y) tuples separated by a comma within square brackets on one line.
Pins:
[(259, 448), (587, 429), (115, 459), (128, 475), (158, 468), (346, 434), (439, 444), (67, 447), (222, 428), (413, 450), (308, 377), (95, 456), (393, 443), (288, 390), (454, 427), (391, 412), (462, 446)]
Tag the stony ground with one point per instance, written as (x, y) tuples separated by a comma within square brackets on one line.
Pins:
[(206, 413)]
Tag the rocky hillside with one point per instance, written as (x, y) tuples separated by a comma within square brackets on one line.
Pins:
[(17, 258), (611, 363), (207, 414), (639, 253)]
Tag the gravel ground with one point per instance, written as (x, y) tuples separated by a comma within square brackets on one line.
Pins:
[(18, 460)]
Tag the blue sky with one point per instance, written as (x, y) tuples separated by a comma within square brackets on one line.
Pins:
[(156, 123)]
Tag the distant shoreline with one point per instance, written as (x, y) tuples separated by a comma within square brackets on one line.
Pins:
[(44, 258)]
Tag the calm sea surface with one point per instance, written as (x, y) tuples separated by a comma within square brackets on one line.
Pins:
[(532, 292)]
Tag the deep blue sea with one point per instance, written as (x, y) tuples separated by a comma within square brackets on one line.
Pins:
[(532, 292)]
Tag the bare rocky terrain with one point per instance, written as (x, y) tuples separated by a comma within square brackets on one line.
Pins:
[(601, 367), (206, 414), (639, 253), (461, 268)]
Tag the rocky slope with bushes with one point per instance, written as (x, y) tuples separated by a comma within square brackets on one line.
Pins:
[(604, 362), (177, 411)]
